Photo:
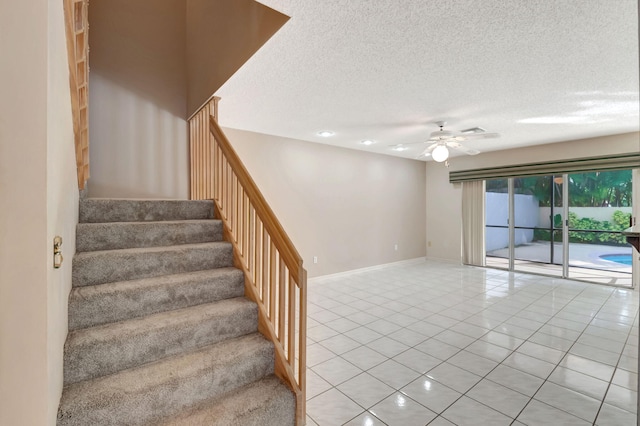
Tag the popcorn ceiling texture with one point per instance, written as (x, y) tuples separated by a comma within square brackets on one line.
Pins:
[(535, 71)]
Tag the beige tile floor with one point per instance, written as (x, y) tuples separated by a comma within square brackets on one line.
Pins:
[(442, 344)]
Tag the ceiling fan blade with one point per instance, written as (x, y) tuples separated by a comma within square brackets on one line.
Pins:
[(431, 148), (459, 147), (427, 151), (472, 136), (407, 143)]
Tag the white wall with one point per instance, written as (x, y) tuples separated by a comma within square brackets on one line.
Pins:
[(598, 213), (444, 220), (39, 200), (62, 201), (344, 206), (137, 100)]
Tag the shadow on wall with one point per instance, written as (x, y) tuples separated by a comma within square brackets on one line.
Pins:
[(140, 86), (140, 45)]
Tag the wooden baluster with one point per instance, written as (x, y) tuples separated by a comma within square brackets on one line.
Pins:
[(302, 362), (291, 332), (272, 283), (199, 153), (258, 255), (251, 241), (265, 268), (281, 296)]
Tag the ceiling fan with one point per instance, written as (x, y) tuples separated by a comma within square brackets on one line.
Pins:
[(441, 140)]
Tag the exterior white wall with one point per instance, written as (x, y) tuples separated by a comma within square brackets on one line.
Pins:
[(597, 213), (344, 206), (444, 203), (39, 200), (497, 214)]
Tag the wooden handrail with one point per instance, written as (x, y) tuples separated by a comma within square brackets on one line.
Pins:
[(274, 275), (274, 228)]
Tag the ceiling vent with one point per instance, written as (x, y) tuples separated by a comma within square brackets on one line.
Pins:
[(474, 130)]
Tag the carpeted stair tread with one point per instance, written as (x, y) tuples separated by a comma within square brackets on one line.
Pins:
[(99, 267), (94, 210), (103, 350), (149, 393), (122, 235), (111, 302), (267, 402)]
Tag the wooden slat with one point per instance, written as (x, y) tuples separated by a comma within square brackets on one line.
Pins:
[(275, 229), (274, 276), (281, 297), (77, 39), (272, 283), (291, 323)]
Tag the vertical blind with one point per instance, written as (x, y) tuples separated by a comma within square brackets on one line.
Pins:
[(473, 218)]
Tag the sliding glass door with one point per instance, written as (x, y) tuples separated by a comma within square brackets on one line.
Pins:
[(497, 223), (600, 207), (538, 224), (530, 227)]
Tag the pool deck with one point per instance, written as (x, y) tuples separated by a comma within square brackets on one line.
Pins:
[(585, 261)]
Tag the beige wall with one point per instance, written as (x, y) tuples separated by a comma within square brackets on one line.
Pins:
[(138, 95), (444, 216), (346, 207), (23, 222), (149, 60), (39, 200), (62, 202), (221, 36)]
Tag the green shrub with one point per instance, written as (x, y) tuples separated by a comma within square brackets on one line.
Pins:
[(620, 223)]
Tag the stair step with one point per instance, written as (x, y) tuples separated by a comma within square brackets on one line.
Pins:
[(106, 303), (99, 351), (267, 402), (94, 210), (99, 267), (122, 235), (149, 393)]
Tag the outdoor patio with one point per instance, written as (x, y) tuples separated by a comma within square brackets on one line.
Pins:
[(585, 261)]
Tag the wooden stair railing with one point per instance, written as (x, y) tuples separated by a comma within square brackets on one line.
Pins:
[(77, 35), (274, 276)]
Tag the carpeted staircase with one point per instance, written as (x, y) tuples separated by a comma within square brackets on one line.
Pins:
[(159, 330)]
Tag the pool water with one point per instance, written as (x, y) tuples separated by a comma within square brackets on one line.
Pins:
[(624, 259)]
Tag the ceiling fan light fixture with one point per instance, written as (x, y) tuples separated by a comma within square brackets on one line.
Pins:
[(440, 153)]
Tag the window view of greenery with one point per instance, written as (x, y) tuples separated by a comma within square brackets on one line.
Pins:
[(599, 209), (596, 189)]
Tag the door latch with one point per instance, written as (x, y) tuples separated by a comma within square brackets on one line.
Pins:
[(57, 252)]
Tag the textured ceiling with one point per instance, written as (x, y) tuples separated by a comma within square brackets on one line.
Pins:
[(535, 71)]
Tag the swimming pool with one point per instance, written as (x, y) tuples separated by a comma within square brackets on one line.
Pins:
[(624, 259)]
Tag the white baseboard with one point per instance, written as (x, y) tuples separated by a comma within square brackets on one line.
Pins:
[(441, 259), (322, 278)]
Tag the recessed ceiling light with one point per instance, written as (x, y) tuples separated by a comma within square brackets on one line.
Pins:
[(367, 142), (400, 148), (326, 133)]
